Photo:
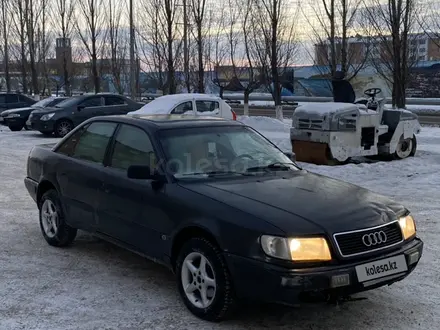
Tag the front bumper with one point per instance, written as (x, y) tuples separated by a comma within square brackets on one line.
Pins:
[(14, 121), (265, 282), (42, 126)]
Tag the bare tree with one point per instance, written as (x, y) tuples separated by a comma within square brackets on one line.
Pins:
[(32, 15), (251, 75), (332, 24), (90, 27), (392, 24), (118, 44), (219, 46), (63, 17), (275, 44), (21, 51), (5, 14), (198, 8)]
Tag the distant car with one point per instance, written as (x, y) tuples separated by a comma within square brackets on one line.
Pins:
[(63, 117), (16, 119), (188, 104), (13, 101), (222, 207)]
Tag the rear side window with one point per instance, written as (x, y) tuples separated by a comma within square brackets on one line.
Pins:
[(132, 147), (11, 98), (91, 102), (92, 144), (114, 100), (2, 98), (207, 106)]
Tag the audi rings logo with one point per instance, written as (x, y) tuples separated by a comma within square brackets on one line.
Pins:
[(376, 238)]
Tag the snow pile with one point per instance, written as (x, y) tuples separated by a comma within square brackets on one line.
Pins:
[(266, 124), (325, 108)]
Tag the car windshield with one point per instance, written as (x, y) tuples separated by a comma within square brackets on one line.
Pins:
[(216, 151), (69, 102), (43, 103)]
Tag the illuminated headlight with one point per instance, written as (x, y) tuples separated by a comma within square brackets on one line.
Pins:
[(408, 226), (47, 116), (313, 249), (13, 115)]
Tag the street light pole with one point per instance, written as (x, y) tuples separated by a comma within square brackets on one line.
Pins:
[(132, 55)]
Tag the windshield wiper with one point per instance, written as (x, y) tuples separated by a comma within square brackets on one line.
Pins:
[(215, 173), (273, 166)]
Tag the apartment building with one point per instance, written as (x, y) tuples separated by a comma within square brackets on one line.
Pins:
[(422, 47)]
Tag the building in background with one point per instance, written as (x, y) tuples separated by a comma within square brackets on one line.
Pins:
[(361, 49)]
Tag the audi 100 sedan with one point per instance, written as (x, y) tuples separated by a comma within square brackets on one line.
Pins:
[(220, 205)]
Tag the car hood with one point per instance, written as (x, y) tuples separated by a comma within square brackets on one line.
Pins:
[(330, 204), (17, 110), (47, 110)]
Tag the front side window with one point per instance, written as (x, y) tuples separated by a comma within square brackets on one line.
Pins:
[(68, 146), (183, 108), (92, 144), (232, 150), (132, 147)]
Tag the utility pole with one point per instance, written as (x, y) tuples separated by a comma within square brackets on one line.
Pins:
[(185, 46), (132, 58)]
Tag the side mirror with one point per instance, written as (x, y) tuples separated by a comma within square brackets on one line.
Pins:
[(291, 155), (142, 172), (80, 107)]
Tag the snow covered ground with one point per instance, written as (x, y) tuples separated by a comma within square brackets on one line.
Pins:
[(95, 285)]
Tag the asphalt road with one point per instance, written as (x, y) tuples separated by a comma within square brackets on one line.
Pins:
[(429, 119)]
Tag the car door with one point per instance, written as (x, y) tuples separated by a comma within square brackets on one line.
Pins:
[(79, 174), (115, 105), (207, 108), (184, 108), (3, 106), (131, 210), (91, 107)]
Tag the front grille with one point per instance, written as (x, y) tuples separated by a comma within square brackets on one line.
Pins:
[(310, 123), (355, 242)]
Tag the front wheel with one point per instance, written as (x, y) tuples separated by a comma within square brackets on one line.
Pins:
[(55, 230), (63, 127), (16, 128), (406, 148), (204, 282)]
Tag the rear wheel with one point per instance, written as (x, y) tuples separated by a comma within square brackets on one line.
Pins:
[(204, 282), (55, 230), (406, 148), (16, 128), (63, 127)]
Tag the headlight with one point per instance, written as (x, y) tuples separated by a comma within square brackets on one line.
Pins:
[(13, 115), (47, 116), (296, 249), (408, 226)]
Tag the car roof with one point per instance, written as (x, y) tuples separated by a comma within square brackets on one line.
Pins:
[(159, 122), (189, 96)]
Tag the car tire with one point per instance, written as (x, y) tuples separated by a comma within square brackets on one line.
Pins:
[(214, 280), (406, 148), (16, 128), (55, 230), (63, 127)]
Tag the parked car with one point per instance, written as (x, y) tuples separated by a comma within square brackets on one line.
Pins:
[(221, 206), (16, 119), (63, 117), (188, 104), (13, 101)]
